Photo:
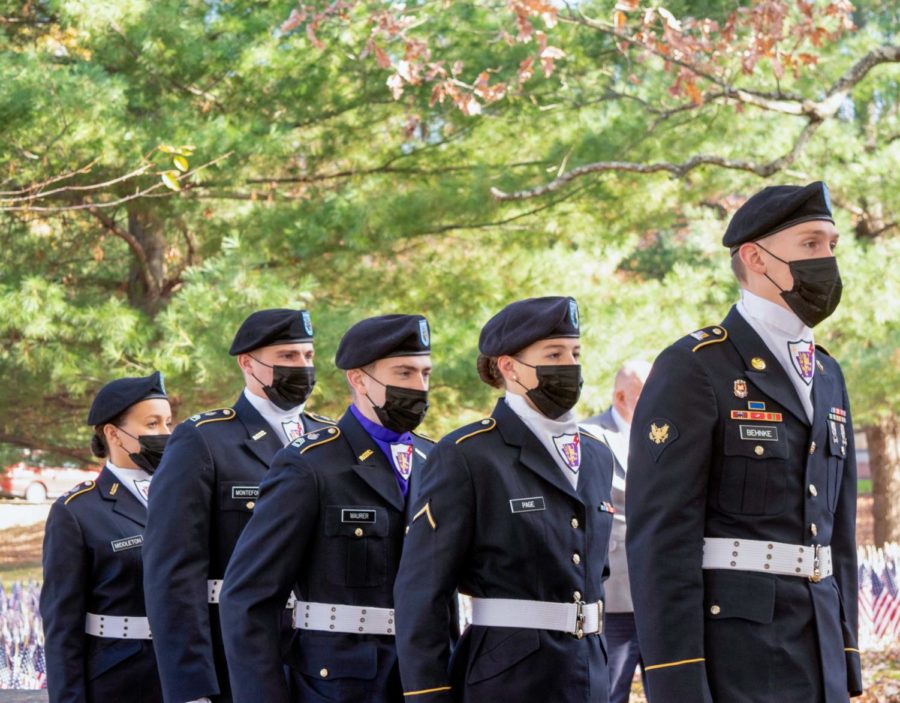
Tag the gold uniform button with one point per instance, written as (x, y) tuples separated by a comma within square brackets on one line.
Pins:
[(814, 529), (758, 450), (576, 559), (323, 672), (758, 363), (358, 532), (577, 596), (715, 609), (250, 505), (574, 523), (813, 491), (812, 448)]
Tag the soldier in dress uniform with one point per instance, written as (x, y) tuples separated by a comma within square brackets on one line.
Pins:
[(205, 491), (514, 511), (97, 639), (329, 524), (614, 426), (742, 482)]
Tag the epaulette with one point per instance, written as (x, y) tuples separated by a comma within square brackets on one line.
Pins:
[(79, 490), (485, 425), (316, 438), (823, 350), (212, 416), (421, 435), (319, 418), (708, 335), (583, 431)]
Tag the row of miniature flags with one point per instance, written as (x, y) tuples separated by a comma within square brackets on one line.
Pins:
[(22, 663), (879, 601)]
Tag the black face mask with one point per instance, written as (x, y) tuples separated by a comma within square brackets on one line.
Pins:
[(403, 409), (558, 388), (291, 385), (150, 454), (817, 287)]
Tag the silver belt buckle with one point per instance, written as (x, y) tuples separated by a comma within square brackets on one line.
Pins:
[(817, 573), (579, 619)]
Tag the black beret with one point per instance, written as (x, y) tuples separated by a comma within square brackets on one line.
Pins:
[(266, 327), (776, 208), (527, 321), (119, 395), (382, 337)]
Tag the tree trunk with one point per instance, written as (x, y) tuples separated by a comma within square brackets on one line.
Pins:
[(149, 233), (883, 438)]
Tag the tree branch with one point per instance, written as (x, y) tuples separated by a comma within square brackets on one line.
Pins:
[(110, 225), (814, 112)]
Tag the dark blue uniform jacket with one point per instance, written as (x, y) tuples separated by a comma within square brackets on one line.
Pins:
[(303, 537), (472, 530), (203, 495), (698, 468), (92, 564)]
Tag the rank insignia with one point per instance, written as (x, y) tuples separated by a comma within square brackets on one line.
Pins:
[(802, 353), (569, 448), (426, 511), (758, 363), (755, 415), (700, 335), (607, 507), (365, 455), (661, 433), (755, 405), (402, 456), (740, 388)]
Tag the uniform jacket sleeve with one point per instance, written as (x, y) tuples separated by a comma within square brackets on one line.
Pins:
[(434, 552), (64, 605), (260, 575), (843, 548), (176, 564), (669, 462)]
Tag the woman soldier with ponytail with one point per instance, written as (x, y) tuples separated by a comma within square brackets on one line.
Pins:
[(514, 511), (97, 639)]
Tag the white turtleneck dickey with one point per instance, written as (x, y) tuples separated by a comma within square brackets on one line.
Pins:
[(560, 437), (287, 424), (789, 340)]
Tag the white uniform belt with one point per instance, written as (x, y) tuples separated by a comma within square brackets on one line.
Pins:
[(214, 588), (120, 627), (331, 617), (778, 558), (577, 619)]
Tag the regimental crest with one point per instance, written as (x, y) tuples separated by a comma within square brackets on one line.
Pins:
[(307, 322), (659, 435), (424, 334), (573, 314), (802, 353), (402, 455), (740, 388), (143, 487), (569, 448), (292, 429)]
